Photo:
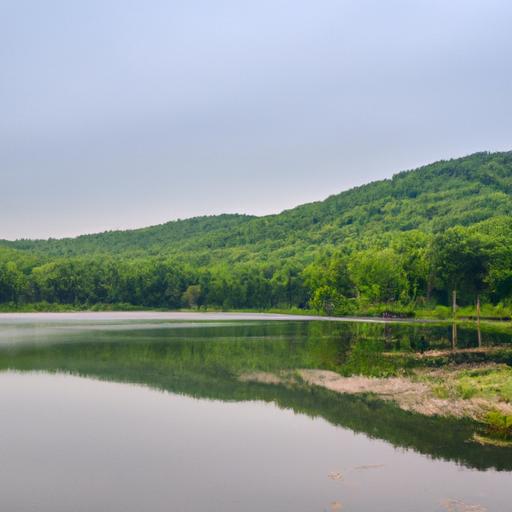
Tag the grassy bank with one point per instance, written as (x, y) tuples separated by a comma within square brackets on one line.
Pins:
[(48, 307), (487, 389)]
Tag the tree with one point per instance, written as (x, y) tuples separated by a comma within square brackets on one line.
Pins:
[(191, 296), (379, 275), (12, 282), (325, 299), (459, 262)]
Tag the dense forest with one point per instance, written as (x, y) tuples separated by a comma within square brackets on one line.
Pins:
[(394, 245)]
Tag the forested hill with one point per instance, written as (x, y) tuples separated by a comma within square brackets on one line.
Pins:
[(444, 194), (411, 238), (169, 237)]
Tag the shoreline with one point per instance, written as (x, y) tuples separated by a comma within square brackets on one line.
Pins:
[(231, 315), (196, 315), (126, 312)]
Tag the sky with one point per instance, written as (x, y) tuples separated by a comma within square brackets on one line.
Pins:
[(119, 113)]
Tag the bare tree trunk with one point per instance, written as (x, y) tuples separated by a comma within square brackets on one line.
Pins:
[(454, 336)]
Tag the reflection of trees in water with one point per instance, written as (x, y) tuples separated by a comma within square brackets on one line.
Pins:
[(205, 362)]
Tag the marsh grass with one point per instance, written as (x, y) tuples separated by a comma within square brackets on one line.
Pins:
[(499, 425)]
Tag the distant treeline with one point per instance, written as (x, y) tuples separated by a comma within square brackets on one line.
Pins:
[(412, 269), (403, 243)]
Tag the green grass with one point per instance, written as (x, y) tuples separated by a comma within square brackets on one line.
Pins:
[(499, 425), (490, 383), (52, 307), (487, 383), (487, 311)]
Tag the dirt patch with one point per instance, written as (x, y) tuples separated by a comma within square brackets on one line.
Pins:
[(390, 387), (407, 393), (411, 394)]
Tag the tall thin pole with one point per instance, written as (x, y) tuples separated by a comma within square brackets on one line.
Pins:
[(454, 326), (479, 333)]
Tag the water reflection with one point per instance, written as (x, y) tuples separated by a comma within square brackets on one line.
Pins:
[(69, 443), (205, 360)]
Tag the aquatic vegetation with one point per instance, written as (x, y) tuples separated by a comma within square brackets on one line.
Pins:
[(499, 425), (489, 381)]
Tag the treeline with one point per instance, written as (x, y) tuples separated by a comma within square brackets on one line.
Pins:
[(417, 270), (397, 245), (431, 199), (405, 269), (148, 282)]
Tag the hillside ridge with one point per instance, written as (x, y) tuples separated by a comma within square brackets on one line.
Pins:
[(427, 198), (399, 243)]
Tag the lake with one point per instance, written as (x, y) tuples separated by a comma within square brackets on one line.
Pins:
[(144, 411)]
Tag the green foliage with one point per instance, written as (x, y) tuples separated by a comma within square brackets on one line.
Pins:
[(460, 260), (326, 299), (191, 296), (379, 275), (487, 383), (392, 246), (499, 425), (492, 382), (365, 358)]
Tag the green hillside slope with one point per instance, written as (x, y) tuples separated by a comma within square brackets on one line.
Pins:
[(406, 230), (448, 193)]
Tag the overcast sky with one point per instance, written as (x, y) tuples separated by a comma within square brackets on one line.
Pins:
[(119, 113)]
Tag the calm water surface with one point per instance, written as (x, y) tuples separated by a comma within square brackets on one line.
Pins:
[(117, 414)]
